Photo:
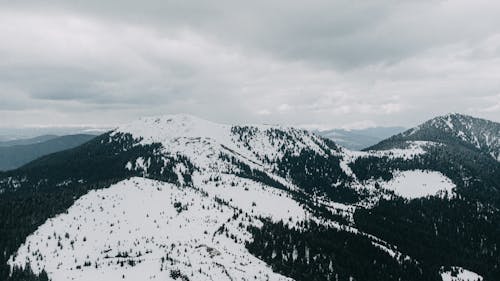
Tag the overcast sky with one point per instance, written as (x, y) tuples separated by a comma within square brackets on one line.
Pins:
[(306, 63)]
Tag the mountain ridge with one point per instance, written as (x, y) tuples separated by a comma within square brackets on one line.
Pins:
[(477, 133), (332, 200)]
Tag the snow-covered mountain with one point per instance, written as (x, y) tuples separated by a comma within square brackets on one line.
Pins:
[(480, 134), (180, 198)]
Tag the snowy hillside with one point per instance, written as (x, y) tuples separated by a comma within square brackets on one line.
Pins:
[(142, 229), (417, 183)]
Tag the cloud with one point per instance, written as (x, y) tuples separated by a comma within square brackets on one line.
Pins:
[(328, 63)]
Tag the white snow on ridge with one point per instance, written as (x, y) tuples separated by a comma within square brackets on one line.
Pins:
[(415, 148), (460, 274), (419, 183), (141, 229), (165, 129), (253, 197), (201, 140)]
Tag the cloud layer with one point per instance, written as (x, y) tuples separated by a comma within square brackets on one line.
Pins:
[(321, 64)]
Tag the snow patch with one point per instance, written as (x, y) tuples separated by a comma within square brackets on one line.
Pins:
[(457, 273), (414, 148), (254, 197), (419, 183)]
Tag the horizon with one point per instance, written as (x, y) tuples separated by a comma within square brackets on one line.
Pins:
[(312, 128), (27, 132)]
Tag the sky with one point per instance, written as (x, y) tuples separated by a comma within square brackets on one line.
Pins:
[(313, 64)]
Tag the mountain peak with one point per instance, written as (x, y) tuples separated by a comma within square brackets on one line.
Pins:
[(181, 120), (454, 115), (204, 141), (165, 128), (458, 123), (457, 116), (477, 133)]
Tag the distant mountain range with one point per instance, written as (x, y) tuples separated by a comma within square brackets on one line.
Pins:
[(180, 198), (359, 139), (8, 134), (26, 141), (15, 153)]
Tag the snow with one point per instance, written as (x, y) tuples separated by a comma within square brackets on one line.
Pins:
[(157, 226), (390, 252), (462, 275), (418, 183), (345, 160), (167, 128), (128, 166), (414, 148), (448, 122), (254, 197), (202, 141)]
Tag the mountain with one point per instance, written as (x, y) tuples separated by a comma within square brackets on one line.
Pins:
[(360, 138), (14, 154), (26, 141), (180, 198), (474, 133), (11, 135), (462, 147)]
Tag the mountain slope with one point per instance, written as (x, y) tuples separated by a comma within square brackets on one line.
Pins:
[(465, 225), (307, 208), (465, 147), (15, 156), (179, 232), (474, 133)]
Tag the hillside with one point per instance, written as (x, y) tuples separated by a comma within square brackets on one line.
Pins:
[(175, 196)]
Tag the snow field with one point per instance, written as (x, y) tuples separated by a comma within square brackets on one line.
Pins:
[(141, 229), (419, 183), (461, 274)]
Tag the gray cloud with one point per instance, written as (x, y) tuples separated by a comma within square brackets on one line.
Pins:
[(321, 63)]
